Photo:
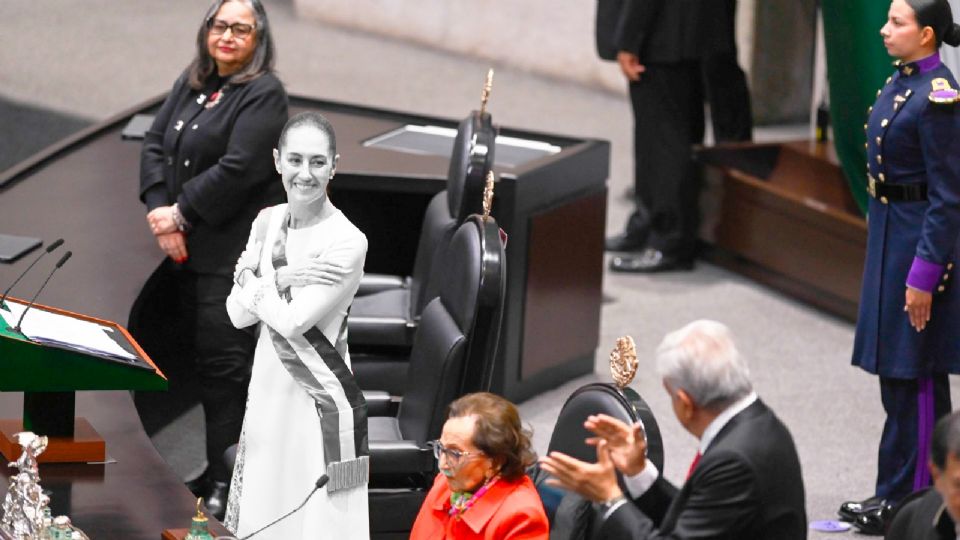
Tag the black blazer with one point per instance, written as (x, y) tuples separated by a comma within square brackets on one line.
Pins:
[(746, 486), (922, 516), (671, 31), (216, 162)]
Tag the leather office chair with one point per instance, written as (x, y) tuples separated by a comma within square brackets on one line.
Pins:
[(453, 350), (570, 515), (388, 316)]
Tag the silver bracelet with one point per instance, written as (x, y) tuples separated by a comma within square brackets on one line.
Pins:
[(182, 224)]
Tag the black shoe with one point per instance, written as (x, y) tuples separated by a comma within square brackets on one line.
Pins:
[(625, 242), (851, 510), (649, 261), (199, 485), (216, 499), (874, 522)]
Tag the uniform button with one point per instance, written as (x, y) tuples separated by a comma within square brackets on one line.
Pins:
[(882, 177), (870, 109), (879, 159), (884, 200), (946, 277), (907, 94), (169, 160), (878, 93), (866, 146), (864, 127), (878, 140), (186, 163), (941, 288), (195, 126), (949, 266), (889, 79), (884, 122)]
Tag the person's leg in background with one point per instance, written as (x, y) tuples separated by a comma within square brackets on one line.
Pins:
[(668, 106), (224, 360)]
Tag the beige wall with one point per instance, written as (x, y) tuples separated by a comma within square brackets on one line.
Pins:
[(551, 37)]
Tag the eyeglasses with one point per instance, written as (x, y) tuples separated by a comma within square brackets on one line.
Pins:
[(454, 457), (239, 30)]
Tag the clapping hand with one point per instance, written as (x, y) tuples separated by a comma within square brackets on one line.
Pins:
[(310, 272), (627, 444), (594, 481)]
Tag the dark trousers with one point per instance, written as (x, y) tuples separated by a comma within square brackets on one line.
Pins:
[(726, 85), (223, 358), (907, 429), (668, 119)]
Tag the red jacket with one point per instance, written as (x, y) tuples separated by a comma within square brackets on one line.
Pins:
[(508, 511)]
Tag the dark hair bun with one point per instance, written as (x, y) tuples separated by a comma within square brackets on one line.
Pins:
[(952, 35)]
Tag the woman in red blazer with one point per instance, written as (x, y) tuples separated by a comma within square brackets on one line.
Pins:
[(482, 491)]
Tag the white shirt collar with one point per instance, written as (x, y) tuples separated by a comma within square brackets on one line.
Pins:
[(722, 419)]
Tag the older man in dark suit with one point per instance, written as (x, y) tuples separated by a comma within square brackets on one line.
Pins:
[(745, 481), (933, 514)]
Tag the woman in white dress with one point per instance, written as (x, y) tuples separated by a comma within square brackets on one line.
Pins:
[(306, 416)]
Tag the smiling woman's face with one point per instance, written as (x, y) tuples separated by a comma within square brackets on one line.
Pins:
[(230, 51), (305, 163)]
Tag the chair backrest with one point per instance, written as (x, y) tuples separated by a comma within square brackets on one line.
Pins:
[(569, 434), (438, 227), (470, 161), (484, 340), (571, 516), (465, 312)]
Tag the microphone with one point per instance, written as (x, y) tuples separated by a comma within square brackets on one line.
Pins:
[(51, 247), (60, 263), (322, 481)]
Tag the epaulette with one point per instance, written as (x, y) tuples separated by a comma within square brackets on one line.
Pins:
[(941, 92)]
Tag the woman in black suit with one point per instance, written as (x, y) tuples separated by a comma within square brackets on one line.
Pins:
[(205, 173)]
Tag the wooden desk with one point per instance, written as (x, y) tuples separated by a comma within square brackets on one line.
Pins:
[(133, 498), (783, 215)]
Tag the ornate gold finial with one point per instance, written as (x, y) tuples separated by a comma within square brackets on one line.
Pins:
[(200, 515), (487, 88), (623, 362), (488, 196)]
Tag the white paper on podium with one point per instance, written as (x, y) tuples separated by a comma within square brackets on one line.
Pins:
[(47, 327)]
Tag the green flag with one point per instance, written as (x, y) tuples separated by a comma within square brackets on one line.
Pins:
[(857, 65)]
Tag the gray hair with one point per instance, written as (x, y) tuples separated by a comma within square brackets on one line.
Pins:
[(946, 440), (701, 359)]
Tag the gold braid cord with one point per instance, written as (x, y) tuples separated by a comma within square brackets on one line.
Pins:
[(623, 362), (487, 88), (488, 196)]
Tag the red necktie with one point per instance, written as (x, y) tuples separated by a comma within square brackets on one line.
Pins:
[(693, 465)]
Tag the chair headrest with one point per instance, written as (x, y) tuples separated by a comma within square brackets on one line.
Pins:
[(569, 434), (471, 159)]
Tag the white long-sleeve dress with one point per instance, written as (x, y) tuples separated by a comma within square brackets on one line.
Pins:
[(305, 416)]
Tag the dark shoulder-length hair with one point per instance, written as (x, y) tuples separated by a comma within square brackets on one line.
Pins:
[(261, 62), (498, 432)]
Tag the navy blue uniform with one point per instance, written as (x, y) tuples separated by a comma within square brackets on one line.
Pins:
[(913, 145)]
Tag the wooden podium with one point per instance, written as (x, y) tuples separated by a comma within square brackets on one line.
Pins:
[(50, 372)]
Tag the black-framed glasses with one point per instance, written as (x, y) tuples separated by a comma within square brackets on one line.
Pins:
[(454, 457), (239, 30)]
